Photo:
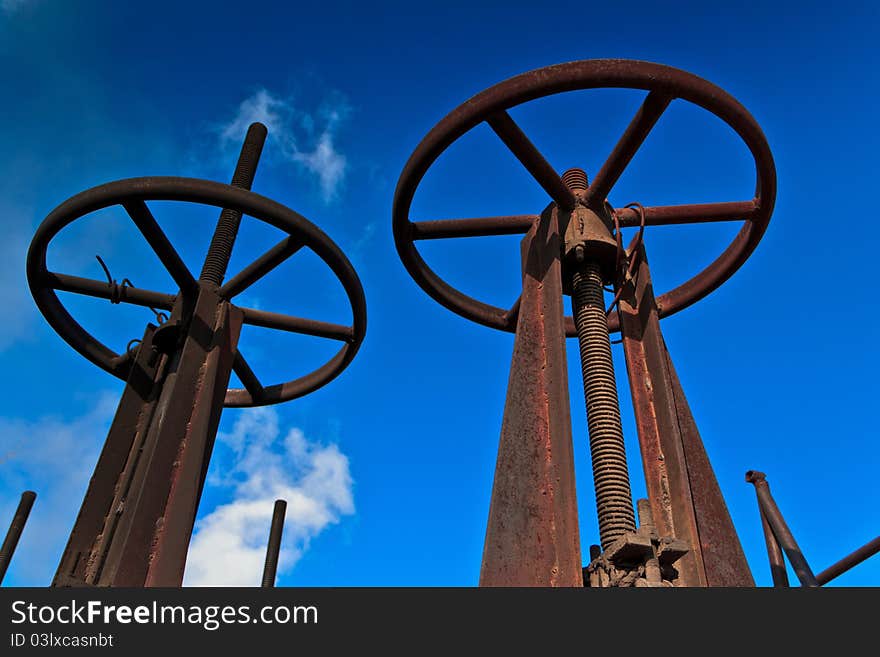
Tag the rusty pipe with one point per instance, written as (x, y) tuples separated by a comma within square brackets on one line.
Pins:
[(15, 529), (780, 529), (274, 547), (868, 550), (774, 553)]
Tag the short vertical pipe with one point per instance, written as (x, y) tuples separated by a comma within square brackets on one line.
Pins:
[(15, 529), (774, 552), (274, 547)]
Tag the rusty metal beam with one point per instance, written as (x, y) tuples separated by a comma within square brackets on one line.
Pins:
[(96, 522), (532, 536), (686, 500), (137, 517)]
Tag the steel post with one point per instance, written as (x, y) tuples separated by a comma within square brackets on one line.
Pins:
[(532, 536), (138, 514), (686, 501)]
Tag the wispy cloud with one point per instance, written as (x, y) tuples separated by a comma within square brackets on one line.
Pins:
[(229, 545), (54, 457), (12, 6), (14, 293), (356, 248), (307, 137)]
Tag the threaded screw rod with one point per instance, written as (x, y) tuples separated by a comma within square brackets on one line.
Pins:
[(15, 529), (607, 452), (274, 547), (214, 269)]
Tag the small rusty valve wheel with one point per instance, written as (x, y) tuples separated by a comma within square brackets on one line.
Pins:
[(663, 84), (132, 194)]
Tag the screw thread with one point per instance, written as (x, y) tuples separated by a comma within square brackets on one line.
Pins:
[(214, 269), (575, 179), (607, 451)]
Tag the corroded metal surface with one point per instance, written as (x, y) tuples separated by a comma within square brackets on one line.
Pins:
[(132, 194), (532, 535), (686, 501), (137, 517), (664, 84)]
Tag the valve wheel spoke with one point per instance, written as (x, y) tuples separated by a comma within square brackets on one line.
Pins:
[(477, 227), (247, 377), (530, 157), (630, 142), (114, 292), (142, 217), (261, 266), (699, 213), (301, 325)]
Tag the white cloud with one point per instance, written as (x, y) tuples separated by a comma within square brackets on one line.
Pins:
[(54, 457), (229, 544), (307, 139)]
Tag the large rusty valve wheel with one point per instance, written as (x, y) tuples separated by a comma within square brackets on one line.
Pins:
[(132, 195), (663, 84)]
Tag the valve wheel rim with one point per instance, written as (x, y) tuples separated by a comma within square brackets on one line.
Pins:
[(572, 76), (219, 195)]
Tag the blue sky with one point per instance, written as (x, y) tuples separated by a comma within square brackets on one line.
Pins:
[(392, 463)]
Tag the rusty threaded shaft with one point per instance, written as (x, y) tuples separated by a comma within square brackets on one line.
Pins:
[(226, 231), (15, 529), (575, 179), (610, 475)]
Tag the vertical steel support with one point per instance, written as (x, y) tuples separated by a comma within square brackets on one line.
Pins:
[(111, 480), (686, 501), (532, 535), (137, 517), (15, 528)]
